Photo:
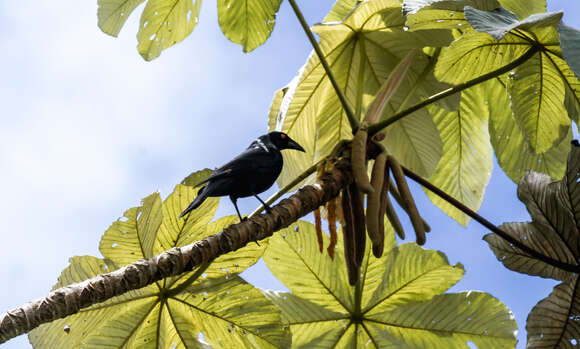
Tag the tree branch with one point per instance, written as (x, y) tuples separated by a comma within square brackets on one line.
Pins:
[(70, 299), (507, 237)]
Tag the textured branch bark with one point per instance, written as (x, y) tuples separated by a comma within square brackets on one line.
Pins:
[(70, 299)]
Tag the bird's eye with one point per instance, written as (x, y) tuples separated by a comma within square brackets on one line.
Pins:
[(282, 135)]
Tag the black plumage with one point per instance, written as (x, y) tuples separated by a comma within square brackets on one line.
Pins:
[(249, 174)]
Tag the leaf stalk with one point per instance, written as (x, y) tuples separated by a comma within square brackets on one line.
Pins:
[(354, 122)]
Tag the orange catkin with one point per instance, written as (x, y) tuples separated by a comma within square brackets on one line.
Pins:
[(318, 225), (349, 237), (331, 216)]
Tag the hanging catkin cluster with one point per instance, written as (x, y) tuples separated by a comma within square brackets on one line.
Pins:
[(349, 209)]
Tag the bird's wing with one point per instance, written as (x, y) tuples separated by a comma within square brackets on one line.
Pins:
[(251, 160)]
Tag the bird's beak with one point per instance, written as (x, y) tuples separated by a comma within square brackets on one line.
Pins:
[(294, 145)]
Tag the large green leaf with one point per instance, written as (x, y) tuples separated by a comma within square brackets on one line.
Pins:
[(507, 139), (398, 302), (113, 14), (165, 23), (465, 167), (475, 54), (248, 22), (361, 51), (171, 312), (537, 88)]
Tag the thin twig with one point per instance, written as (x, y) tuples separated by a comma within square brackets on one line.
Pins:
[(507, 237), (354, 122)]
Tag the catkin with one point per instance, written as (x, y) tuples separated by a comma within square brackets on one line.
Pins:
[(349, 236), (374, 217), (331, 216), (393, 190), (358, 160), (407, 200), (318, 225), (360, 235)]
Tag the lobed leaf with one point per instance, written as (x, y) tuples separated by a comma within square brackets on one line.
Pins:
[(397, 303), (475, 54), (362, 52), (173, 311)]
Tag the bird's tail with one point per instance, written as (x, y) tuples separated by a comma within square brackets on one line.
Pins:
[(200, 198)]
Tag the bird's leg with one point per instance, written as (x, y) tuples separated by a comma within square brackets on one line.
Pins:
[(235, 202), (268, 208)]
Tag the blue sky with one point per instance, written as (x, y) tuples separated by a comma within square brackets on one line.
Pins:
[(89, 128)]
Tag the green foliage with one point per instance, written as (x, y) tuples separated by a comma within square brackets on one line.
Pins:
[(166, 22), (524, 115), (174, 311), (397, 303), (553, 233)]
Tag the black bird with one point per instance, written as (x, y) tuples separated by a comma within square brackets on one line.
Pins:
[(250, 173)]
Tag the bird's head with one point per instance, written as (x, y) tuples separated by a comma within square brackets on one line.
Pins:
[(282, 141)]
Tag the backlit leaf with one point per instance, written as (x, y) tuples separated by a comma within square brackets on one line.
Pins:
[(362, 52), (113, 14), (537, 93), (507, 139), (165, 23), (465, 167)]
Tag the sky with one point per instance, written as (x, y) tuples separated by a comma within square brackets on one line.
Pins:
[(89, 128)]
